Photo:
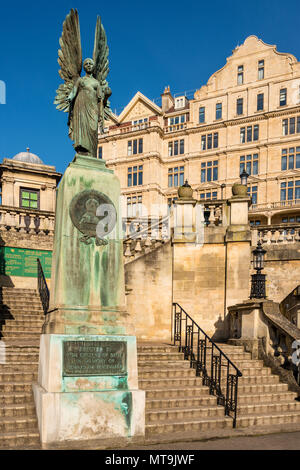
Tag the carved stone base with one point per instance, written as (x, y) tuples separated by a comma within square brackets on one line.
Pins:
[(88, 320)]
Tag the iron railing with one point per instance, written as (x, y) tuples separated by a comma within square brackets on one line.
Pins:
[(42, 287), (217, 371)]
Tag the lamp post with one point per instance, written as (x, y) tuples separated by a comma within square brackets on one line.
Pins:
[(223, 186), (258, 282), (244, 177)]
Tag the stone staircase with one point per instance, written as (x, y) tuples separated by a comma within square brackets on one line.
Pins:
[(177, 402), (21, 319)]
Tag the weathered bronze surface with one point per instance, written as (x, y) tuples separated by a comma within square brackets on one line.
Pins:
[(90, 358), (84, 98), (83, 213)]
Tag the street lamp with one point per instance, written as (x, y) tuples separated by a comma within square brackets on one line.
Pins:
[(258, 282), (223, 186), (244, 177)]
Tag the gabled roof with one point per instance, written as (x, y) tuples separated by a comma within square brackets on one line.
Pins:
[(139, 97), (251, 45)]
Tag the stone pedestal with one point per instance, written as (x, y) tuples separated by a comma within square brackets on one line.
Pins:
[(87, 385), (88, 407)]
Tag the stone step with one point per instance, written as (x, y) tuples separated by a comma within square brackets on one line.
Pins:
[(18, 289), (268, 408), (262, 419), (21, 357), (17, 398), (160, 356), (20, 300), (9, 328), (261, 388), (13, 310), (15, 387), (22, 346), (180, 426), (145, 384), (256, 379), (192, 381), (18, 411), (19, 297), (148, 373), (188, 402), (25, 324), (19, 366), (17, 376), (20, 439), (13, 335), (176, 392), (24, 317), (152, 348), (266, 397), (164, 364), (174, 414), (15, 424)]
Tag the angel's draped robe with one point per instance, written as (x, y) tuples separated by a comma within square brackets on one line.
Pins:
[(84, 118)]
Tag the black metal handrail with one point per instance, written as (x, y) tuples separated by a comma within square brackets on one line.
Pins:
[(42, 287), (208, 359)]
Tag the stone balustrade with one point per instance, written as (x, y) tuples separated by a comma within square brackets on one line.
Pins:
[(275, 205), (175, 127), (276, 234), (214, 212), (143, 227), (261, 328), (143, 235), (15, 219)]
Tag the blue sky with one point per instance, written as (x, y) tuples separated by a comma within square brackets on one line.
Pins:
[(152, 44)]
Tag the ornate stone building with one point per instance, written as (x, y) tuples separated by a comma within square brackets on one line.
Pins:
[(247, 116), (27, 217)]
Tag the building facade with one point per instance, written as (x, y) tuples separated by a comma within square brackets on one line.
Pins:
[(247, 116), (27, 218)]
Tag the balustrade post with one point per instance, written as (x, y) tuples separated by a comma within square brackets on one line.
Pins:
[(31, 224)]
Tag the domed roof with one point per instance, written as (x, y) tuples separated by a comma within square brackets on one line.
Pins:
[(28, 157)]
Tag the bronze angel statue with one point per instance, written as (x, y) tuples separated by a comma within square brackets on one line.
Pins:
[(84, 98)]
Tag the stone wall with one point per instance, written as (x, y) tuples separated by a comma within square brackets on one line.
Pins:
[(282, 267), (199, 284), (148, 282)]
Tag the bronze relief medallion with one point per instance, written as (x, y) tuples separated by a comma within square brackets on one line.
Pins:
[(94, 215)]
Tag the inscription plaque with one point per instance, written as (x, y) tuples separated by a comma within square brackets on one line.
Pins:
[(82, 358)]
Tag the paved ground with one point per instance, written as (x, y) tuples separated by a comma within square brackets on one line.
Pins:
[(282, 441)]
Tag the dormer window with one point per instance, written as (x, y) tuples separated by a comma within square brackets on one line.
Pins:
[(139, 124), (180, 102)]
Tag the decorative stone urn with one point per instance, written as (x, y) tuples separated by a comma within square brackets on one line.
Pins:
[(185, 191), (239, 190)]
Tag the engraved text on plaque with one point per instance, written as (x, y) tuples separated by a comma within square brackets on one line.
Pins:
[(82, 358)]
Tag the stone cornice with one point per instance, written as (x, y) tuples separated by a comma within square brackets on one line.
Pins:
[(131, 134)]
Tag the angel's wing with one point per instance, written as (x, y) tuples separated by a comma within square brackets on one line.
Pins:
[(69, 59), (100, 57)]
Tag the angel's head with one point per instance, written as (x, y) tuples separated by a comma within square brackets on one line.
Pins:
[(88, 65)]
